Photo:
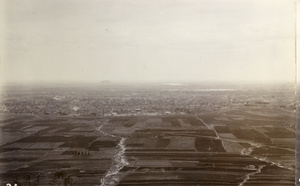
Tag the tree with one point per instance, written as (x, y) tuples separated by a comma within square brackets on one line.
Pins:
[(61, 178)]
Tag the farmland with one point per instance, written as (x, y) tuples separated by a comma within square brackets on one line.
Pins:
[(179, 149), (207, 144)]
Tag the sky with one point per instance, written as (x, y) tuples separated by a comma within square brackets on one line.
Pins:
[(147, 40), (297, 43)]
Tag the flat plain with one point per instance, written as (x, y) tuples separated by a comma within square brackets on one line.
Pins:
[(239, 141)]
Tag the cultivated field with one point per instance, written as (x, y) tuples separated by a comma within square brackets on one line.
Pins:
[(237, 147), (152, 134)]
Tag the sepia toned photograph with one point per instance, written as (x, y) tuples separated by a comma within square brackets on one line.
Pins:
[(149, 92)]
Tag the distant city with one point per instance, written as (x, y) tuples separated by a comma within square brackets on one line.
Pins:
[(138, 99)]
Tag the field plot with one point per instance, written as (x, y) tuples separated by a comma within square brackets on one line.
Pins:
[(227, 148), (218, 152), (43, 149)]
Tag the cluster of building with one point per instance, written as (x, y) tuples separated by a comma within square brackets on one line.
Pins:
[(126, 101)]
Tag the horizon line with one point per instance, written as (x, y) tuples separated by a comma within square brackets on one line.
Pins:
[(144, 82)]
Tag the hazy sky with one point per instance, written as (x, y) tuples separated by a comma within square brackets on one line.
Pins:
[(148, 40)]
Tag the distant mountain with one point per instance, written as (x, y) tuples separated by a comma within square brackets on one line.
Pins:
[(105, 82)]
